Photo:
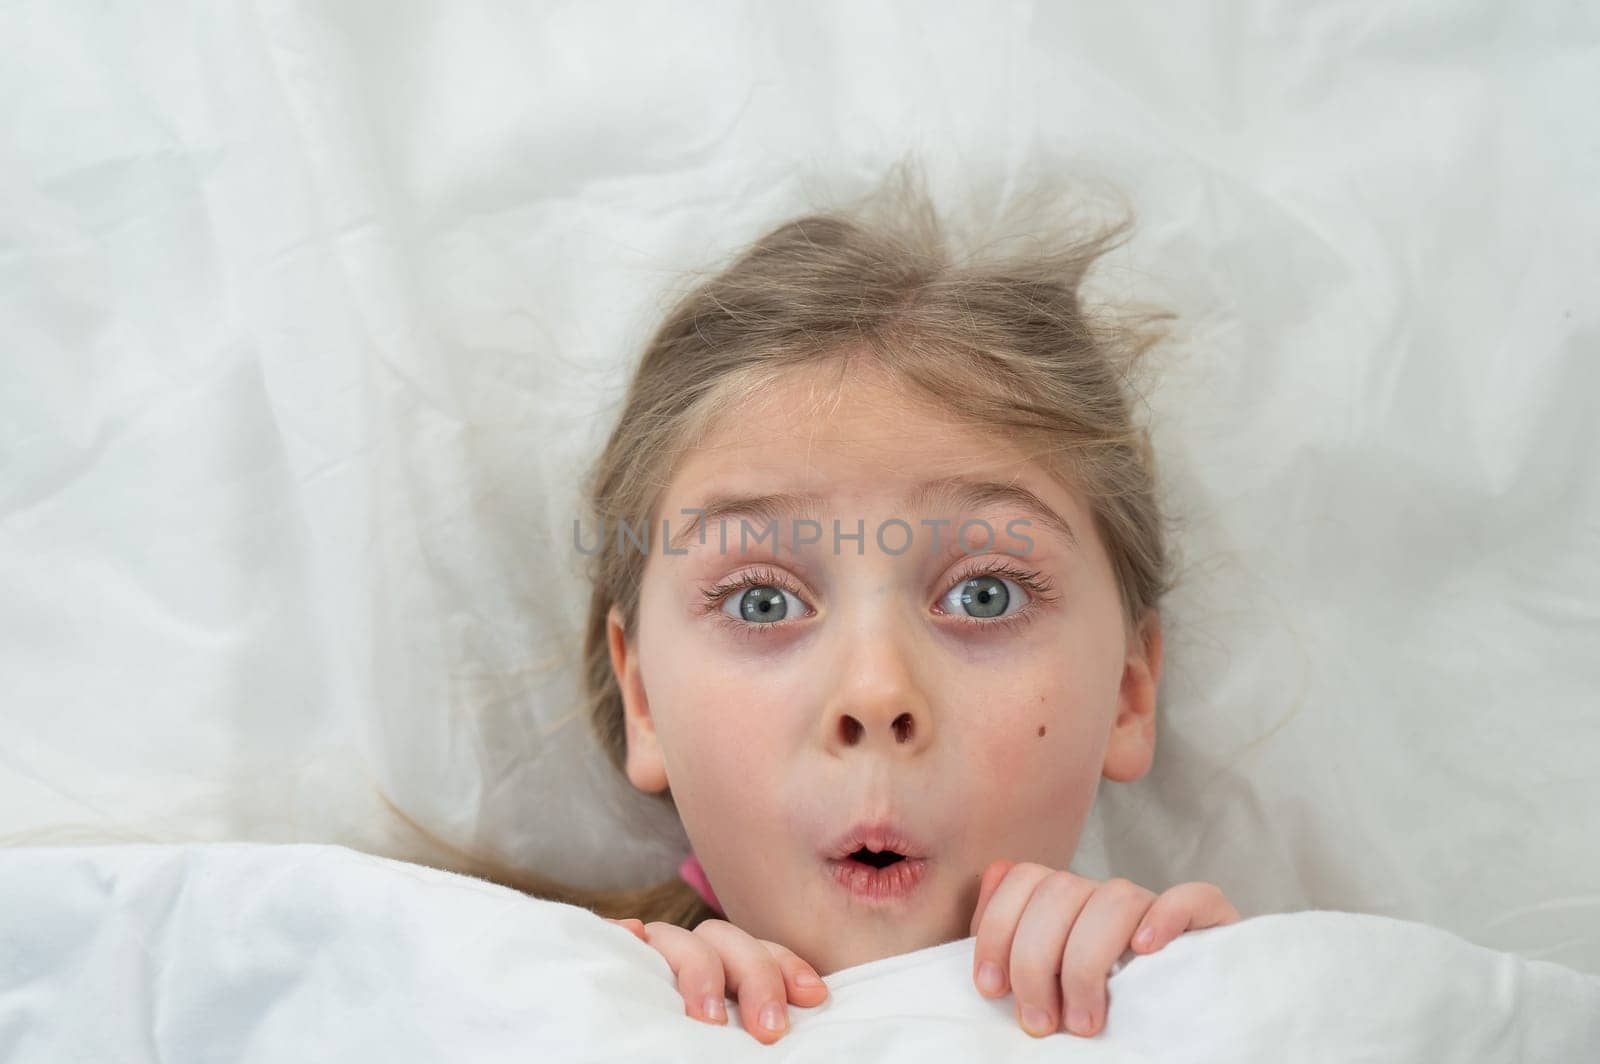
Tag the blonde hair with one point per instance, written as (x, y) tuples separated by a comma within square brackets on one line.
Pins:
[(995, 333)]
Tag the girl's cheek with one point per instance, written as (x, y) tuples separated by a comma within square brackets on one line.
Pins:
[(1036, 727), (1004, 745)]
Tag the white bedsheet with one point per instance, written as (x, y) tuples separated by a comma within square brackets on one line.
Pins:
[(250, 952)]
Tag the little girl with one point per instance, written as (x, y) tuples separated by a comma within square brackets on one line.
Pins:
[(875, 609)]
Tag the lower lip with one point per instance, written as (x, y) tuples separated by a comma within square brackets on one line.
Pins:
[(891, 883)]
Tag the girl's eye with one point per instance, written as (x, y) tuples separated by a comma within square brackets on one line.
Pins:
[(991, 597), (761, 604), (984, 596)]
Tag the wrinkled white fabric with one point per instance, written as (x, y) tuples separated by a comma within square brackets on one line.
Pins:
[(311, 314), (233, 952)]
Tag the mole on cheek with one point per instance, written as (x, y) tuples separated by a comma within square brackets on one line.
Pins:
[(1041, 731)]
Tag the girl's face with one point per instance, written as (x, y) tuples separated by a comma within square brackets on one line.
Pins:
[(789, 691)]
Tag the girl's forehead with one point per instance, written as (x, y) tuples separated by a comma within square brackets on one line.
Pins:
[(858, 443), (857, 435), (862, 460), (850, 469)]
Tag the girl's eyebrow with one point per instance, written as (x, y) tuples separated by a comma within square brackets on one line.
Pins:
[(958, 493), (965, 494)]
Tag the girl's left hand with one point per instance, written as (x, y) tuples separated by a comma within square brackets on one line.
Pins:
[(1054, 937)]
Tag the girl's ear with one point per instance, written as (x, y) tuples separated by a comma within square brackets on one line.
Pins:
[(1133, 734), (647, 770)]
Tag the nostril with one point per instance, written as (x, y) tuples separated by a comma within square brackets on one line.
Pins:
[(851, 729)]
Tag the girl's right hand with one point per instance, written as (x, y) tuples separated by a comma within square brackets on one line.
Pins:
[(717, 958)]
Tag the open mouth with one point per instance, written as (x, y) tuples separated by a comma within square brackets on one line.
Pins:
[(876, 858), (878, 862)]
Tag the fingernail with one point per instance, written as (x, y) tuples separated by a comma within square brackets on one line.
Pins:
[(772, 1016), (1145, 936), (806, 979), (1078, 1021), (990, 979), (1036, 1020), (714, 1009)]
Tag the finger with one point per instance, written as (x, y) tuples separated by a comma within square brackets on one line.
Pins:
[(698, 969), (753, 977), (632, 924), (1185, 907), (805, 986), (1042, 937), (1097, 940), (986, 886), (991, 953)]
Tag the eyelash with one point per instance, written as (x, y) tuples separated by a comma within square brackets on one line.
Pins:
[(1040, 591)]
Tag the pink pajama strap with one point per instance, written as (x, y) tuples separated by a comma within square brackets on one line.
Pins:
[(691, 873)]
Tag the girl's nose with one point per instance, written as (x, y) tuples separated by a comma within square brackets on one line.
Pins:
[(878, 703)]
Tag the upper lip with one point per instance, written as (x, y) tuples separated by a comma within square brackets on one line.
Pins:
[(878, 836)]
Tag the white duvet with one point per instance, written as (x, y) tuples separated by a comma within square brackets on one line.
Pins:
[(251, 952)]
